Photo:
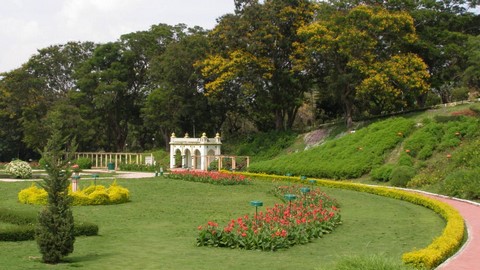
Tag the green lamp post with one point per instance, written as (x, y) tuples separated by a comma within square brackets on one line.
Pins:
[(256, 204), (290, 198), (95, 176), (304, 191)]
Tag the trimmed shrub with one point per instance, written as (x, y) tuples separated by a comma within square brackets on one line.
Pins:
[(401, 175), (382, 173), (118, 194), (85, 229), (33, 195), (92, 195), (137, 167), (99, 197), (463, 184), (19, 169), (83, 163)]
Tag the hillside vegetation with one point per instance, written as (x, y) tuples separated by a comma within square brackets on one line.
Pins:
[(433, 150)]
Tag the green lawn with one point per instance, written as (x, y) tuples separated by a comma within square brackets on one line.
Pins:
[(157, 229)]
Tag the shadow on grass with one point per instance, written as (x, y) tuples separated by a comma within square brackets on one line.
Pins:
[(76, 261)]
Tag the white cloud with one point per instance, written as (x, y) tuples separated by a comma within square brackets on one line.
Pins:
[(28, 25)]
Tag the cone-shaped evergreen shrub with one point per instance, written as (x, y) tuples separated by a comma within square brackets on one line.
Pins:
[(55, 230)]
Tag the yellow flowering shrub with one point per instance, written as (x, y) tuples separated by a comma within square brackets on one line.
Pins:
[(438, 251), (91, 195), (33, 195)]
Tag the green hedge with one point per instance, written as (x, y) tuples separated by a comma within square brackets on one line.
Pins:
[(25, 226), (350, 156)]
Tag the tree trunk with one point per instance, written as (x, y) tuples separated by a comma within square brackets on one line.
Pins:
[(348, 108), (279, 120)]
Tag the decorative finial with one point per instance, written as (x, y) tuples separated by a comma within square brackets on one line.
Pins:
[(217, 135), (173, 135), (186, 135), (204, 135)]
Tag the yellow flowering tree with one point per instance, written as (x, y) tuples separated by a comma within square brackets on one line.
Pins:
[(362, 55), (251, 60)]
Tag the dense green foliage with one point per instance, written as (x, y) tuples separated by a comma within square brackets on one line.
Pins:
[(401, 175), (83, 163), (350, 156), (463, 184), (269, 65), (382, 173), (261, 146)]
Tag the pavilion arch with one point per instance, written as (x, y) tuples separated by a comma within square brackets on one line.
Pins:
[(176, 159), (195, 152)]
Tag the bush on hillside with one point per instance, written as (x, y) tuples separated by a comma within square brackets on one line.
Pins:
[(405, 160), (468, 156), (475, 108), (401, 175), (382, 173), (264, 146), (423, 141), (463, 184)]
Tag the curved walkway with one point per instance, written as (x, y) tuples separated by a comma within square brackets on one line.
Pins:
[(468, 257)]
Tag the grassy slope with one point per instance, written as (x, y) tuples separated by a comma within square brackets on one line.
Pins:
[(157, 229), (348, 157), (302, 162)]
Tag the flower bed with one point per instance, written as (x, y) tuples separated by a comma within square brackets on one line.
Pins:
[(429, 257), (309, 216), (218, 178), (92, 195)]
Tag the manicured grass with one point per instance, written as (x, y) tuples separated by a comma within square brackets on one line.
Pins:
[(157, 229)]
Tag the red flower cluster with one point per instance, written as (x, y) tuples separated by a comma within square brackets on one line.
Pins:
[(281, 226), (210, 177)]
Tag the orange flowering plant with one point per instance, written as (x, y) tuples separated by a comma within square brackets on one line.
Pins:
[(310, 216)]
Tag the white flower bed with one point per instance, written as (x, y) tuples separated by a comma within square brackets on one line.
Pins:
[(19, 169)]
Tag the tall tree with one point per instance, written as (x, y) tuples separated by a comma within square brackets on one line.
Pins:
[(471, 75), (22, 102), (363, 49), (443, 28), (55, 229), (252, 55), (178, 104), (115, 82), (30, 91)]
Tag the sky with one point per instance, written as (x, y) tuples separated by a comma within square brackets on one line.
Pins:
[(28, 25)]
